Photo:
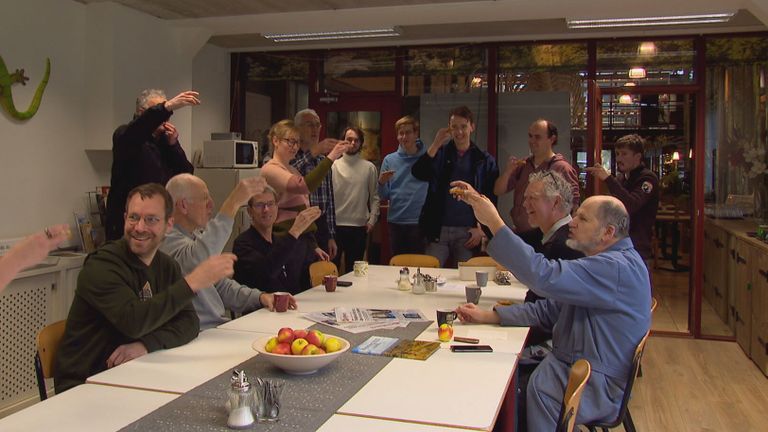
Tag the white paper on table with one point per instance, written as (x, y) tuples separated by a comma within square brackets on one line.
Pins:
[(450, 287)]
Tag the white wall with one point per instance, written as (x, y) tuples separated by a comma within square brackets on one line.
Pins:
[(101, 55)]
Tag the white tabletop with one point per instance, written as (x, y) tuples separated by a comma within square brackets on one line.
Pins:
[(181, 369), (377, 290), (449, 389), (348, 423), (87, 407)]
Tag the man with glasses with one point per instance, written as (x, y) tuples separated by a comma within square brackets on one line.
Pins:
[(356, 195), (275, 263), (450, 226), (311, 152), (542, 137), (130, 298), (196, 235)]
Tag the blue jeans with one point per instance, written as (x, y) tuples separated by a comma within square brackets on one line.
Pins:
[(451, 243)]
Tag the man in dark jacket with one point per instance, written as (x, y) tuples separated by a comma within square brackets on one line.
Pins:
[(146, 150), (637, 188), (450, 226), (130, 298)]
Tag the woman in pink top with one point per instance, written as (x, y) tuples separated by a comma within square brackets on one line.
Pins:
[(292, 188)]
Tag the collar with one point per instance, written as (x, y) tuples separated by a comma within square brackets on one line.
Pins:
[(559, 224)]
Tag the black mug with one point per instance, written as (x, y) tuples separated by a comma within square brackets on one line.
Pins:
[(446, 316)]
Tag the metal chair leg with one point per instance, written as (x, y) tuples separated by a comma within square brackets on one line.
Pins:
[(629, 425), (40, 378)]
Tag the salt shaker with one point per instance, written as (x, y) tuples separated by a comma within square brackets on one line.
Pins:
[(418, 282), (404, 284), (240, 402)]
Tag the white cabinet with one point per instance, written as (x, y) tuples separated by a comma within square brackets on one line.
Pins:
[(33, 300)]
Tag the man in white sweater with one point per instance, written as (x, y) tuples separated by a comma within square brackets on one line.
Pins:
[(355, 191), (197, 234)]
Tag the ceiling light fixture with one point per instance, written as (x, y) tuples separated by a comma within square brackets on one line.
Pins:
[(332, 35), (650, 21)]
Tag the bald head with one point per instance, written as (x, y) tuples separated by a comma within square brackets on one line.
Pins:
[(192, 203), (600, 222), (184, 186)]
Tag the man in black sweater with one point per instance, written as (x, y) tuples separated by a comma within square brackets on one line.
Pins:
[(146, 150)]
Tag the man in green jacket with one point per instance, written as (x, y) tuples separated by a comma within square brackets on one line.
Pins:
[(130, 298)]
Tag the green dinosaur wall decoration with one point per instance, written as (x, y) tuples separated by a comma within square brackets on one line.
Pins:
[(6, 98)]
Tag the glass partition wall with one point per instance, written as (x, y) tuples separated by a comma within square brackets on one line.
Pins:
[(699, 103)]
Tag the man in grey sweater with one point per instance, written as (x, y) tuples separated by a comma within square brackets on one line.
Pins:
[(196, 236)]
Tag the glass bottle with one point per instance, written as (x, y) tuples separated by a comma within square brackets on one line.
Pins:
[(241, 403), (418, 282), (404, 284)]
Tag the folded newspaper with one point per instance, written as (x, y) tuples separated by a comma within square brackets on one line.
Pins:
[(359, 320)]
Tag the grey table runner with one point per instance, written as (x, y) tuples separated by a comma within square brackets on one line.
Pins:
[(307, 402)]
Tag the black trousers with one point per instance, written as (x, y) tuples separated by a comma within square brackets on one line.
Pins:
[(405, 239), (351, 243)]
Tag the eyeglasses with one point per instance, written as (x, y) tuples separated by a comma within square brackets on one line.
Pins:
[(149, 220), (291, 142), (264, 205)]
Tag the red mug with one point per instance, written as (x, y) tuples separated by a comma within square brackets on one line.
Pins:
[(281, 301), (330, 282)]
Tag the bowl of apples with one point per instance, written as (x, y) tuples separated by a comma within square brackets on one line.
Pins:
[(300, 352)]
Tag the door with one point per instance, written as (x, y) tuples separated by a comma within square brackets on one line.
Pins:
[(376, 116)]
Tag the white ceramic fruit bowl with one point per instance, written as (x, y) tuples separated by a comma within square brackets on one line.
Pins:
[(299, 364)]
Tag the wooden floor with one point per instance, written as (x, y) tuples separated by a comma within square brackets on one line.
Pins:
[(671, 290), (698, 385)]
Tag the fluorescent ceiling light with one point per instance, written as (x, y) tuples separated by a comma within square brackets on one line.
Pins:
[(650, 21), (343, 34)]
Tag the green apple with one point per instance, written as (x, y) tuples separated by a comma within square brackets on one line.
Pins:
[(271, 344), (332, 344), (298, 345)]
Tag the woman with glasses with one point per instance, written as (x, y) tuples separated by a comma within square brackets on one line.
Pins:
[(291, 186)]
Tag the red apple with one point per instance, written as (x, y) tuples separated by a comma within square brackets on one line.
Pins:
[(316, 337), (298, 345), (286, 335), (445, 333), (312, 349), (282, 348), (300, 333)]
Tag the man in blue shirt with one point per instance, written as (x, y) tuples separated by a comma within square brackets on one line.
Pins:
[(405, 192), (598, 307)]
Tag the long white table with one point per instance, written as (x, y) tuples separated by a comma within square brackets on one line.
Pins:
[(448, 390), (340, 422), (181, 369), (87, 407)]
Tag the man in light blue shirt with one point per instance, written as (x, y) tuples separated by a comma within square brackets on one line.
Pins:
[(598, 307)]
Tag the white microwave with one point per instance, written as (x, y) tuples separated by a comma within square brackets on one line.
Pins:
[(230, 154)]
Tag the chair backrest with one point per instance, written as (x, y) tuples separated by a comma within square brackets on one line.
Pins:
[(414, 260), (484, 261), (631, 379), (319, 269), (577, 380), (48, 345), (654, 304)]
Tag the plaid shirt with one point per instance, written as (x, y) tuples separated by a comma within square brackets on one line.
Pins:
[(322, 196)]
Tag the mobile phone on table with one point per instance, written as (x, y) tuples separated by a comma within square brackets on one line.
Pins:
[(471, 348), (344, 283)]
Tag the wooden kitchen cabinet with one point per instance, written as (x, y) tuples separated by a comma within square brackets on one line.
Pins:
[(759, 348)]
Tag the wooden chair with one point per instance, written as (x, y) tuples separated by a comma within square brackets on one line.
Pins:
[(48, 340), (577, 380), (654, 305), (414, 260), (484, 261), (624, 418), (319, 269)]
